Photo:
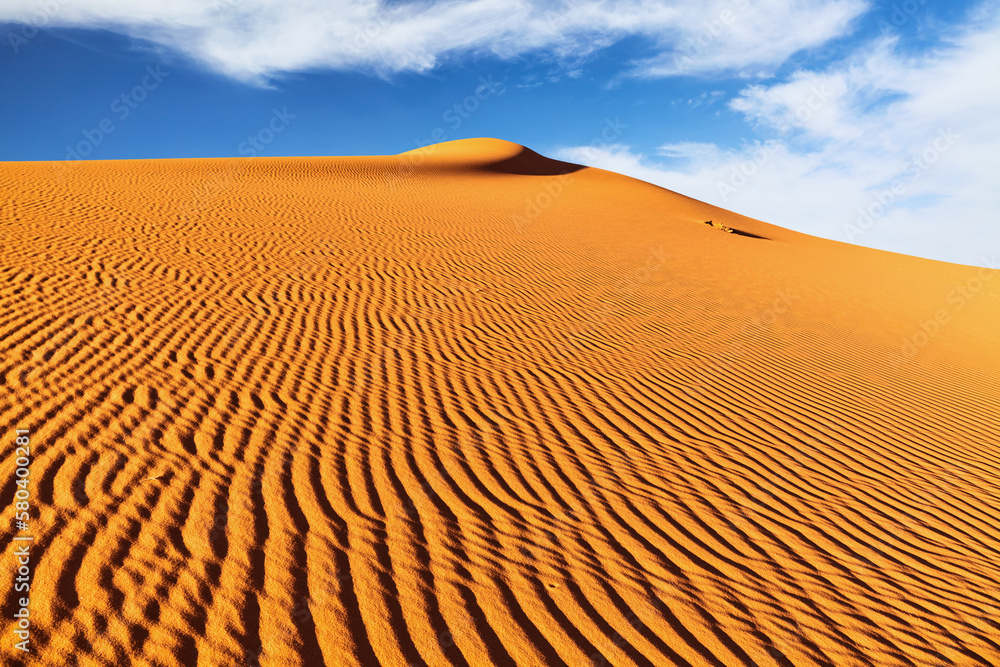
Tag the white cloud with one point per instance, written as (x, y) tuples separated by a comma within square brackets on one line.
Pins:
[(707, 98), (910, 140), (255, 39), (750, 37)]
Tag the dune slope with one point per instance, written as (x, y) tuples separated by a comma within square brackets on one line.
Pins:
[(470, 406)]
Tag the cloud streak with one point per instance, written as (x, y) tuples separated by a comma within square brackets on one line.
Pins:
[(254, 40)]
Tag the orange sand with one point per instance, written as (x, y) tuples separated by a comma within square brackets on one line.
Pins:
[(452, 408)]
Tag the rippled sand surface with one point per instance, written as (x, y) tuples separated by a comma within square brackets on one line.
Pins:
[(458, 407)]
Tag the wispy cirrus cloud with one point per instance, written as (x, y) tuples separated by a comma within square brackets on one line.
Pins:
[(745, 37), (253, 40), (883, 148)]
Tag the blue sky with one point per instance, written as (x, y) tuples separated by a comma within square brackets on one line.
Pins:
[(869, 122)]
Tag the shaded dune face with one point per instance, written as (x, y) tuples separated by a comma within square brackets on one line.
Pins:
[(470, 406), (486, 155)]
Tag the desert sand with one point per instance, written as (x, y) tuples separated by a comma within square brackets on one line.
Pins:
[(471, 406)]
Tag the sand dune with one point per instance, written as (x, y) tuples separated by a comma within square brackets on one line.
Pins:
[(469, 406)]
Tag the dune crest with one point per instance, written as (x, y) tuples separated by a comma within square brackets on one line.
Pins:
[(460, 407), (492, 155)]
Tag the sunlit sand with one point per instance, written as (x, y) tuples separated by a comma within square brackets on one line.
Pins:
[(471, 406)]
